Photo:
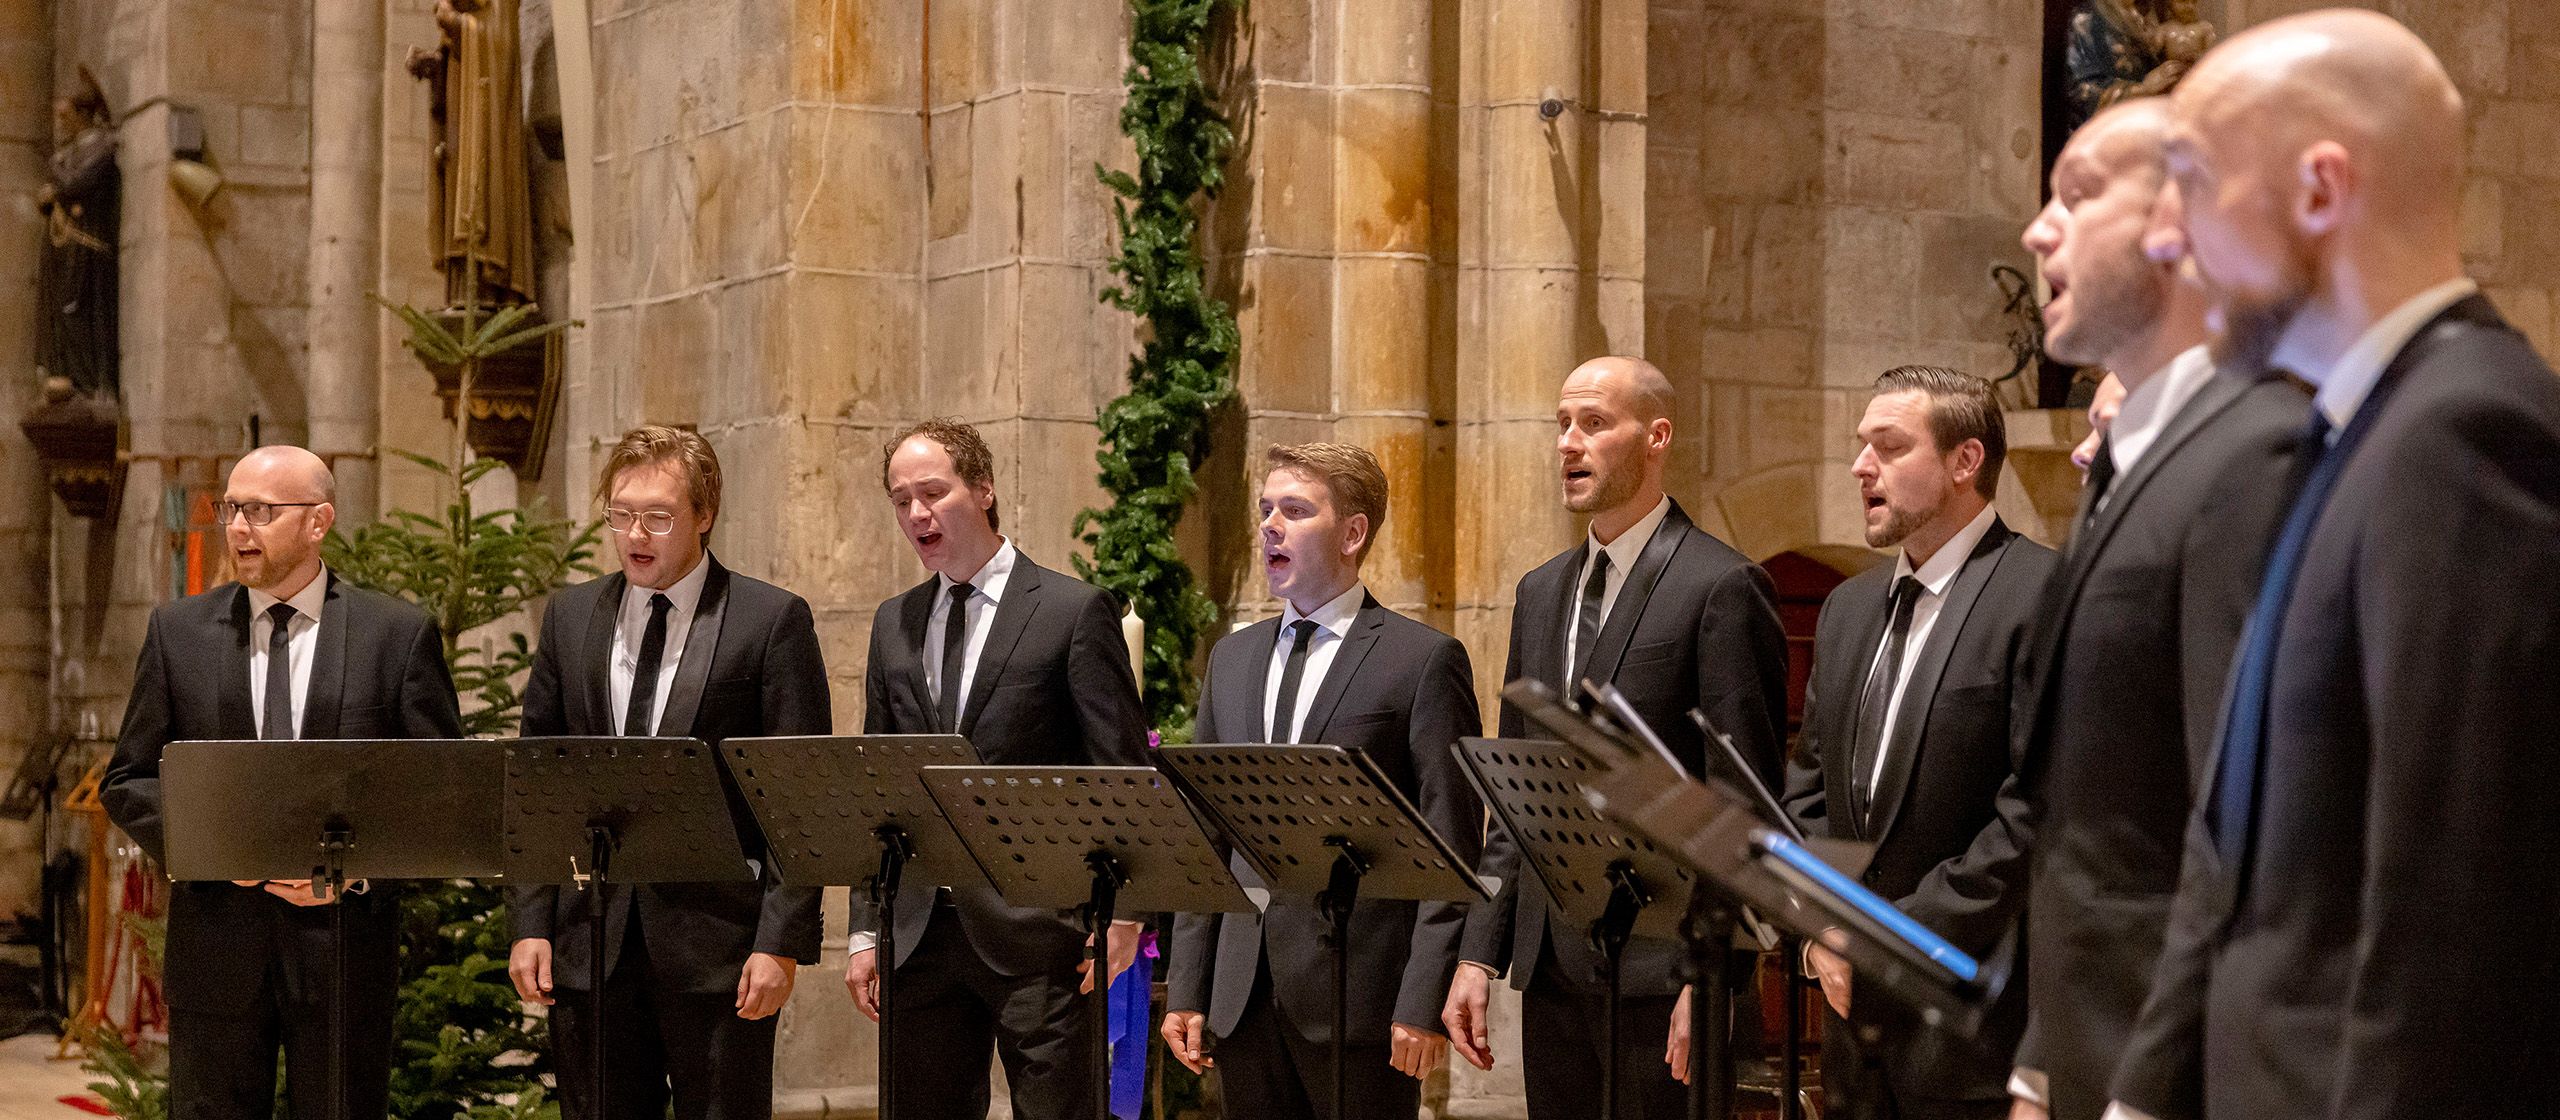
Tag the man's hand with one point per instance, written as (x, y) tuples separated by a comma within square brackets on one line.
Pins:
[(1464, 1014), (1833, 971), (300, 893), (1416, 1052), (2020, 1108), (1186, 1037), (529, 965), (1122, 947), (1675, 1048), (862, 982), (764, 984)]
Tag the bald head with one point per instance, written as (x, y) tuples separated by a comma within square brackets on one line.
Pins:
[(284, 468), (2125, 136), (2351, 78), (277, 510), (1613, 430), (1632, 386)]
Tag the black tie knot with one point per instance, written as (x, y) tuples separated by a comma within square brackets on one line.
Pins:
[(659, 605), (281, 615), (1302, 632), (960, 592)]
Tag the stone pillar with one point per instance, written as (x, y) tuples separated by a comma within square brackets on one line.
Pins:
[(26, 505), (343, 271)]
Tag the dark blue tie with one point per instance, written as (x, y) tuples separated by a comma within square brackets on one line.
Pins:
[(2233, 808)]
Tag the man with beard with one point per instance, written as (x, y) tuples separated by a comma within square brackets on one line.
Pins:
[(675, 644), (2137, 634), (1334, 667), (1907, 741), (289, 651), (2368, 904), (1029, 665), (1676, 620)]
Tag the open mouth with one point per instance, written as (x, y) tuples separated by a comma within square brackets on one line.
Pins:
[(1577, 474), (1873, 501), (928, 540), (246, 554), (1275, 561)]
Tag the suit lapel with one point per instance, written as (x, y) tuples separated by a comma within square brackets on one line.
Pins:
[(2217, 394), (321, 698), (915, 612), (1549, 599), (595, 679), (701, 648), (1013, 615), (1902, 750), (238, 719), (1635, 592), (1847, 676), (1244, 696), (1346, 665)]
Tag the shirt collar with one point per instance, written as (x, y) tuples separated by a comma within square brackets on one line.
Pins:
[(1624, 551), (2149, 408), (305, 602), (1943, 564), (685, 595), (2357, 371), (991, 577), (1335, 617)]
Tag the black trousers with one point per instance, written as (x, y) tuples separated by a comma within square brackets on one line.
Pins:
[(222, 1058), (662, 1045), (952, 1010), (1563, 1047), (1855, 1087), (1269, 1070)]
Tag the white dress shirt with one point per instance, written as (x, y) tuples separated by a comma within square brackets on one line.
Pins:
[(2343, 390), (2150, 408), (1333, 621), (1623, 553), (302, 637), (1935, 577), (632, 628), (986, 594)]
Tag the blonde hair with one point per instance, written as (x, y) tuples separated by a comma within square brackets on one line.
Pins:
[(658, 443), (1358, 484)]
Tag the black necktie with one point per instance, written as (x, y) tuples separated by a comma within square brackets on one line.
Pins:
[(955, 651), (2102, 470), (636, 717), (1878, 694), (1586, 624), (1284, 708), (279, 713)]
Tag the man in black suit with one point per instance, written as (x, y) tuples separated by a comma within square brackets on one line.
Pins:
[(287, 652), (1907, 737), (2368, 904), (673, 644), (1038, 676), (1335, 667), (2136, 634), (1677, 620)]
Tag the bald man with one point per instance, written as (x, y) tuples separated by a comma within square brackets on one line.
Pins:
[(1677, 620), (2369, 906), (2139, 626), (287, 652)]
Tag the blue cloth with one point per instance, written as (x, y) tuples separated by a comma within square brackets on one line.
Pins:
[(1131, 1034)]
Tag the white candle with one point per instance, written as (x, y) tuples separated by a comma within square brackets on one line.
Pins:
[(1134, 631)]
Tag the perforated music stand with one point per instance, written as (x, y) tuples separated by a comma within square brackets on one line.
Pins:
[(1105, 840), (1603, 879), (847, 810), (638, 810), (331, 810), (1323, 821)]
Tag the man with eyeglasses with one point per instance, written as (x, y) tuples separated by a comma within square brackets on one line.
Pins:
[(288, 651), (674, 644)]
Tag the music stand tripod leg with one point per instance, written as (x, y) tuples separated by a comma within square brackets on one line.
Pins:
[(1107, 877), (896, 847), (1609, 937), (1341, 892)]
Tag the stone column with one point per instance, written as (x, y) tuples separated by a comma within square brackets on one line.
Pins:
[(343, 270), (26, 505)]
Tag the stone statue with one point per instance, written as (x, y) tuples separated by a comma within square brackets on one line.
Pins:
[(2130, 48), (76, 279), (484, 212)]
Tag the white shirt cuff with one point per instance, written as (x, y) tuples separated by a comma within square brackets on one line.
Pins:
[(2031, 1086), (860, 942), (2118, 1110)]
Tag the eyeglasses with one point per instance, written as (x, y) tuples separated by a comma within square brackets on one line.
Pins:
[(258, 513), (658, 522)]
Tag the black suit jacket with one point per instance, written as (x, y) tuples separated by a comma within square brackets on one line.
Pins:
[(2388, 949), (1053, 688), (751, 666), (377, 672), (1403, 694), (1949, 818), (1695, 626), (2132, 650)]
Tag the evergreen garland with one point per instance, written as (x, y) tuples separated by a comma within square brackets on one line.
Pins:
[(1153, 435)]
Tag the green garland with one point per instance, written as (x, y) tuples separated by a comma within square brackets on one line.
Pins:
[(1152, 436)]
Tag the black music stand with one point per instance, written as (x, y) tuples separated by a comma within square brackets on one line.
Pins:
[(637, 810), (330, 810), (1602, 879), (1324, 821), (841, 811), (1102, 840)]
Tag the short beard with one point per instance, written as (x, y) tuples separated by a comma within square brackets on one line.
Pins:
[(2245, 347), (1609, 491), (1899, 524), (2120, 313)]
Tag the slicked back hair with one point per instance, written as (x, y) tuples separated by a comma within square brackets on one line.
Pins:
[(1358, 484), (1961, 407)]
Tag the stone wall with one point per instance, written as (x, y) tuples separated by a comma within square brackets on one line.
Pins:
[(26, 506)]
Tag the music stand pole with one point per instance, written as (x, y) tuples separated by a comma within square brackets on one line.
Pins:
[(599, 860), (896, 847), (1791, 1051), (1609, 935), (1335, 902), (1108, 876)]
